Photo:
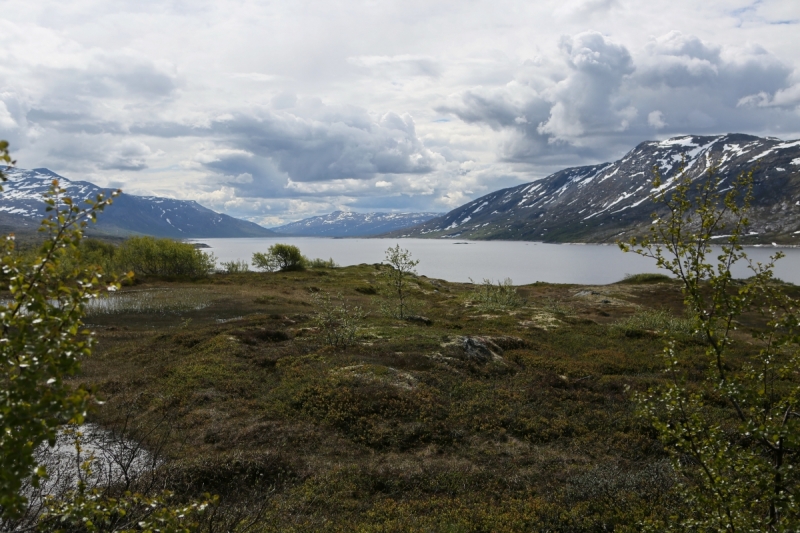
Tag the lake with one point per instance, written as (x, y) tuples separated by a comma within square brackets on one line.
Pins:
[(459, 260)]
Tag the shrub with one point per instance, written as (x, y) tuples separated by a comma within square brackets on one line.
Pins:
[(43, 343), (500, 295), (737, 468), (235, 267), (149, 256), (281, 257), (338, 322), (396, 279), (321, 263)]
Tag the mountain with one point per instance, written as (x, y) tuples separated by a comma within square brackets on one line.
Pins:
[(342, 224), (21, 208), (609, 201)]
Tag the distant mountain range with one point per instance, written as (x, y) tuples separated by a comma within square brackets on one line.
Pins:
[(595, 203), (609, 201), (21, 208), (344, 224)]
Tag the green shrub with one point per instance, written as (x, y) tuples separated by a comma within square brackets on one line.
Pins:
[(338, 322), (280, 257), (90, 252), (148, 256), (737, 468), (42, 344), (235, 267), (500, 295), (321, 263), (396, 280)]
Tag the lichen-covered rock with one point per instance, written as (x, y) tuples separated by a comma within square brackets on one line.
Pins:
[(477, 349)]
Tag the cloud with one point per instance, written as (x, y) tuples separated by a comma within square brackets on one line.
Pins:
[(271, 112), (582, 102), (582, 10), (557, 116), (7, 121), (656, 119), (340, 143), (105, 151), (603, 98), (783, 98), (403, 64)]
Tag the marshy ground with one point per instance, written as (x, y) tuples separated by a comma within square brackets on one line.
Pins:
[(478, 419)]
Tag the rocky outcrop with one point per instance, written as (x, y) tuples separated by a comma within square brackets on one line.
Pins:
[(482, 349)]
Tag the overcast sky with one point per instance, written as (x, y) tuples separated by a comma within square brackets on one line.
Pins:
[(274, 111)]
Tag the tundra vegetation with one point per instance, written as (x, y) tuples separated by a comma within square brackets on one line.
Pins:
[(551, 411)]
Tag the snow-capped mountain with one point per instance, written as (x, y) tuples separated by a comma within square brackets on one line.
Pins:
[(609, 201), (345, 224), (21, 207)]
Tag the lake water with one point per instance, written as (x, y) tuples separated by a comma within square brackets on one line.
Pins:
[(523, 262)]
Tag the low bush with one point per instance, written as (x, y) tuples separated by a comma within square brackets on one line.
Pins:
[(321, 263), (499, 295), (280, 257), (235, 267), (338, 322), (148, 256)]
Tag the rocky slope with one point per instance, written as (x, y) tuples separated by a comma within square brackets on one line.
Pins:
[(343, 224), (609, 201), (21, 207)]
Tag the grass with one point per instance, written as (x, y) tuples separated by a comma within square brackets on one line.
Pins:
[(657, 321), (154, 301), (401, 430)]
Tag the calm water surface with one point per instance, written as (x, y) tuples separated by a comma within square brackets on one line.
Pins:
[(523, 262)]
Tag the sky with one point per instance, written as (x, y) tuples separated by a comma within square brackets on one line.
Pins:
[(276, 111)]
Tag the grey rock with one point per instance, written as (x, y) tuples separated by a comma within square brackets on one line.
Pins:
[(480, 349)]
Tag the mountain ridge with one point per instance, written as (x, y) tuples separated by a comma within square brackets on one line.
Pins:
[(610, 201), (21, 206), (350, 224)]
